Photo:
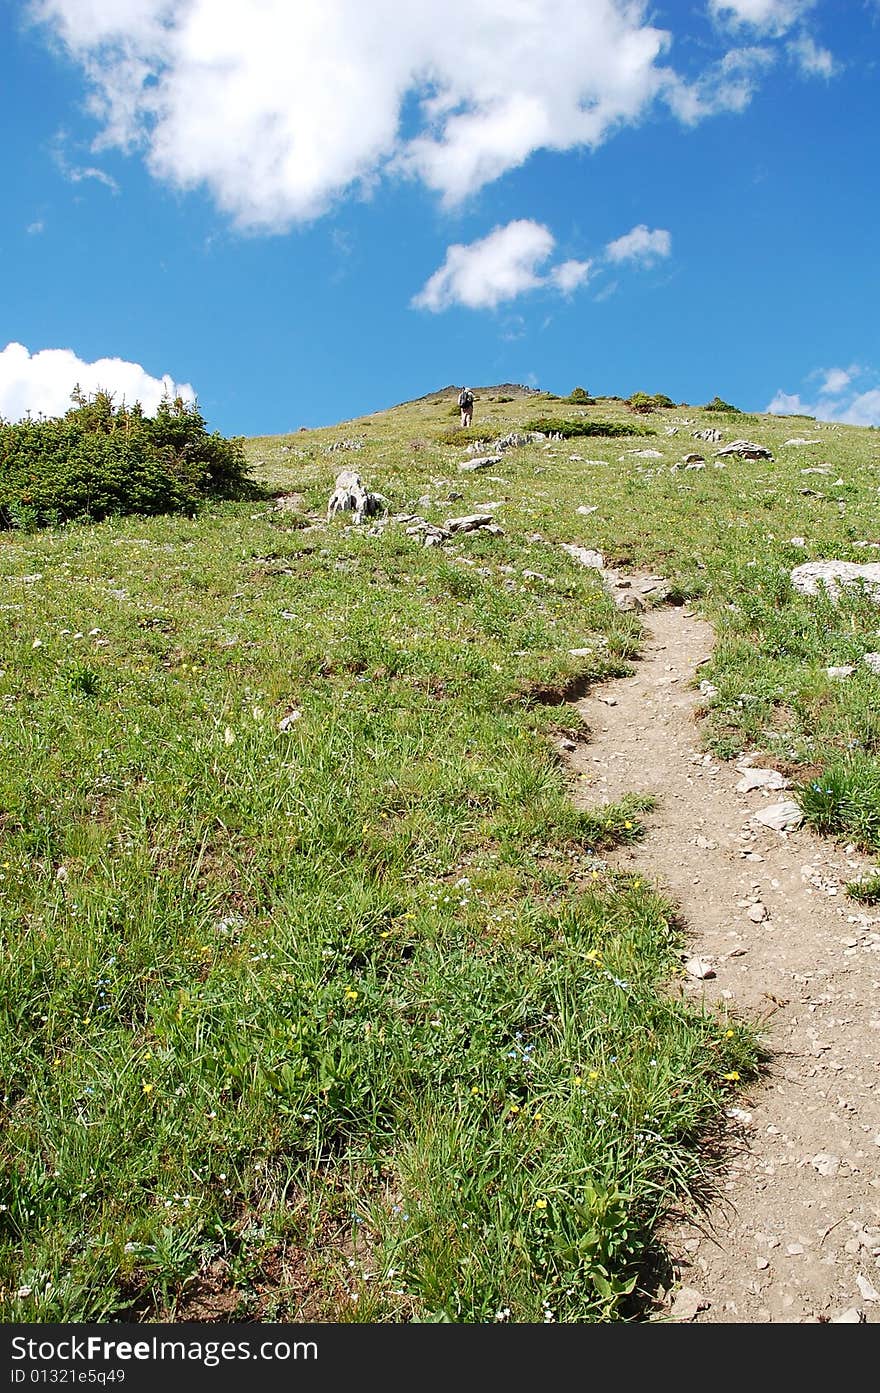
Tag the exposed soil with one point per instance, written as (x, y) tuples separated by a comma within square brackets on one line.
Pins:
[(795, 1234)]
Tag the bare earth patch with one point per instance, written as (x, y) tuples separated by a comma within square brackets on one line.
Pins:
[(796, 1234)]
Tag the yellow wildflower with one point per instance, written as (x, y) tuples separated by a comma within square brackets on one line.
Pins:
[(147, 1088), (732, 1077), (540, 1204)]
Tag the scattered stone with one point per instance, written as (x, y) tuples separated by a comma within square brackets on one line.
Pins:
[(353, 444), (851, 1316), (797, 541), (481, 462), (469, 523), (814, 577), (699, 968), (761, 778), (757, 912), (705, 843), (708, 689), (710, 435), (846, 670), (568, 745), (868, 1290), (762, 1264), (693, 459), (780, 817), (686, 1303), (349, 495), (794, 1249), (872, 660), (799, 440), (745, 449), (645, 454), (609, 700), (514, 441), (289, 721), (825, 1163), (585, 511), (585, 556)]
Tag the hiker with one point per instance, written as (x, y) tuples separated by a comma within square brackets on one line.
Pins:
[(466, 405)]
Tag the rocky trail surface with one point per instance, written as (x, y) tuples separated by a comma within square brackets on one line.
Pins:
[(794, 1235)]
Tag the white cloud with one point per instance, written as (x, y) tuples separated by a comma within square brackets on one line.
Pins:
[(770, 16), (846, 395), (835, 379), (727, 85), (812, 60), (483, 274), (568, 275), (34, 229), (641, 244), (41, 383), (280, 108)]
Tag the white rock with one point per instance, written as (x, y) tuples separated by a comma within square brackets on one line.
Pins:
[(851, 1316), (780, 817), (585, 556), (481, 462), (869, 1292), (872, 660), (814, 577), (799, 440), (825, 1163), (846, 670), (761, 778), (289, 721), (585, 511), (798, 541), (687, 1302), (757, 912), (708, 689), (697, 967)]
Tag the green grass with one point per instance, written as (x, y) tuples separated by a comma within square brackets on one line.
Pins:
[(270, 992)]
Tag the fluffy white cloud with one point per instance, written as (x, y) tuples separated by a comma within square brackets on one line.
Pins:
[(727, 85), (281, 107), (483, 274), (641, 244), (568, 275), (772, 16), (812, 60), (41, 383), (836, 379), (513, 259), (844, 395)]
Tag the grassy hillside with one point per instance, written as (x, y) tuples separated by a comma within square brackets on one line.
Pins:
[(350, 1020)]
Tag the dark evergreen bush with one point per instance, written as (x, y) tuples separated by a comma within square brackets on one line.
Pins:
[(99, 460), (571, 428)]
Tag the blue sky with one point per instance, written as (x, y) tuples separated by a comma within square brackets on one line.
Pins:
[(307, 210)]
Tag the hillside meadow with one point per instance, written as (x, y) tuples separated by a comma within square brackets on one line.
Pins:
[(319, 1000)]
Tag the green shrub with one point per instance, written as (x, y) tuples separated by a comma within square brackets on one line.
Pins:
[(645, 401), (567, 429), (716, 404), (467, 435), (866, 890), (99, 460), (845, 801), (580, 397)]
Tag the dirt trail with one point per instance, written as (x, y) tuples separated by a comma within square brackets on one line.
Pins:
[(796, 1236)]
